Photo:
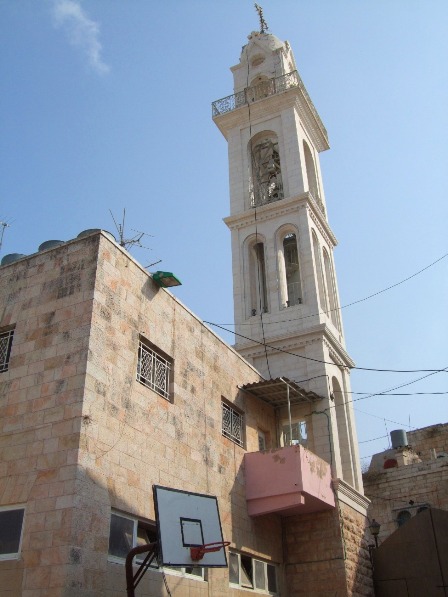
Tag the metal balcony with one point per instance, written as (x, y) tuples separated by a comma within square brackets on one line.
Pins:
[(265, 89), (287, 481)]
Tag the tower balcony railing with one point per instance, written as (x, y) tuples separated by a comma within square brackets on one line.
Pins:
[(263, 90)]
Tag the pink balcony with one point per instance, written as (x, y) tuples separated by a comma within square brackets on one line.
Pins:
[(290, 480)]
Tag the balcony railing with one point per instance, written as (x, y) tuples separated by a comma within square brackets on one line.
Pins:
[(263, 90)]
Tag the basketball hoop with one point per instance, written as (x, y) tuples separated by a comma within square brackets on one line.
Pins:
[(198, 552)]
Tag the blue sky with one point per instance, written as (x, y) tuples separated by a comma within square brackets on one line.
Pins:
[(105, 105)]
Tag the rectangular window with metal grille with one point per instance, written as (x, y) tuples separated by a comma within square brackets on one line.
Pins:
[(5, 349), (153, 370), (232, 424)]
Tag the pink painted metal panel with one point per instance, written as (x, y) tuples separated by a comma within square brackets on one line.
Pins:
[(287, 480)]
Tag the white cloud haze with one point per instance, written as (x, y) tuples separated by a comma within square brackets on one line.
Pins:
[(82, 32)]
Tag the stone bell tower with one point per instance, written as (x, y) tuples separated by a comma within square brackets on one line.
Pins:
[(287, 316), (286, 306)]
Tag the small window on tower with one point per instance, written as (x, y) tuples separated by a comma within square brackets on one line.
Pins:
[(292, 271), (266, 169), (257, 279), (257, 60)]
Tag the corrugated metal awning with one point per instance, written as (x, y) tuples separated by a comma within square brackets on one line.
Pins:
[(275, 392)]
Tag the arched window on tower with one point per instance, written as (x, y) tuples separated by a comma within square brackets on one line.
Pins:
[(267, 185), (257, 279), (331, 291), (344, 432), (319, 274), (292, 271), (311, 172)]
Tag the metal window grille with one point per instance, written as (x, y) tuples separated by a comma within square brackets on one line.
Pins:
[(153, 371), (5, 349), (232, 424)]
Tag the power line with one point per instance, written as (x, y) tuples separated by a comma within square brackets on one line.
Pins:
[(320, 361), (348, 304), (394, 394), (373, 439)]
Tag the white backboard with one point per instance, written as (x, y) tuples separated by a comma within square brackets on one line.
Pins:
[(185, 520)]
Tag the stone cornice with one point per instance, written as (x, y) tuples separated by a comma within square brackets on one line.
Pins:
[(321, 223), (275, 209), (297, 340), (284, 342), (337, 351), (269, 106), (351, 497)]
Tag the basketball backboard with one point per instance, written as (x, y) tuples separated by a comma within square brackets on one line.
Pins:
[(186, 520)]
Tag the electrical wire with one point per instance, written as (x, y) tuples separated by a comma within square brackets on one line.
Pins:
[(396, 394), (374, 369), (348, 304), (261, 274), (366, 441)]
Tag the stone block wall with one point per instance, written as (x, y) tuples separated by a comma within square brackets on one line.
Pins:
[(326, 554), (410, 487), (429, 440), (48, 299), (81, 436)]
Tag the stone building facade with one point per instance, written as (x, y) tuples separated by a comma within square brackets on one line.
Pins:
[(109, 386), (83, 440), (404, 481)]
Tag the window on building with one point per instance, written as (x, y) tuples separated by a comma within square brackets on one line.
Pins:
[(319, 273), (292, 271), (294, 435), (261, 440), (257, 275), (11, 526), (6, 337), (331, 290), (232, 424), (195, 571), (252, 574), (154, 369), (403, 517), (310, 171), (266, 170), (127, 532)]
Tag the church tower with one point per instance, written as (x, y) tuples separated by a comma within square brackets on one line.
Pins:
[(286, 306)]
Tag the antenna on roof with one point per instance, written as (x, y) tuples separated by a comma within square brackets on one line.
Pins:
[(135, 240), (263, 25), (3, 225)]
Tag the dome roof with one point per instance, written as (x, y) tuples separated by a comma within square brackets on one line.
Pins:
[(267, 41)]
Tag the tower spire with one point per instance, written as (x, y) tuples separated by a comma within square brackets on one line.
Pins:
[(263, 25)]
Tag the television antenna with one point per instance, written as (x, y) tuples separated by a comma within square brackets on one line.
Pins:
[(133, 241), (3, 226)]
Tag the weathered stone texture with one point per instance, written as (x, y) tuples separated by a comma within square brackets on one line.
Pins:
[(413, 486), (326, 552)]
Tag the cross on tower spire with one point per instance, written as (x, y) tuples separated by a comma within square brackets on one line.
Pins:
[(263, 25)]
